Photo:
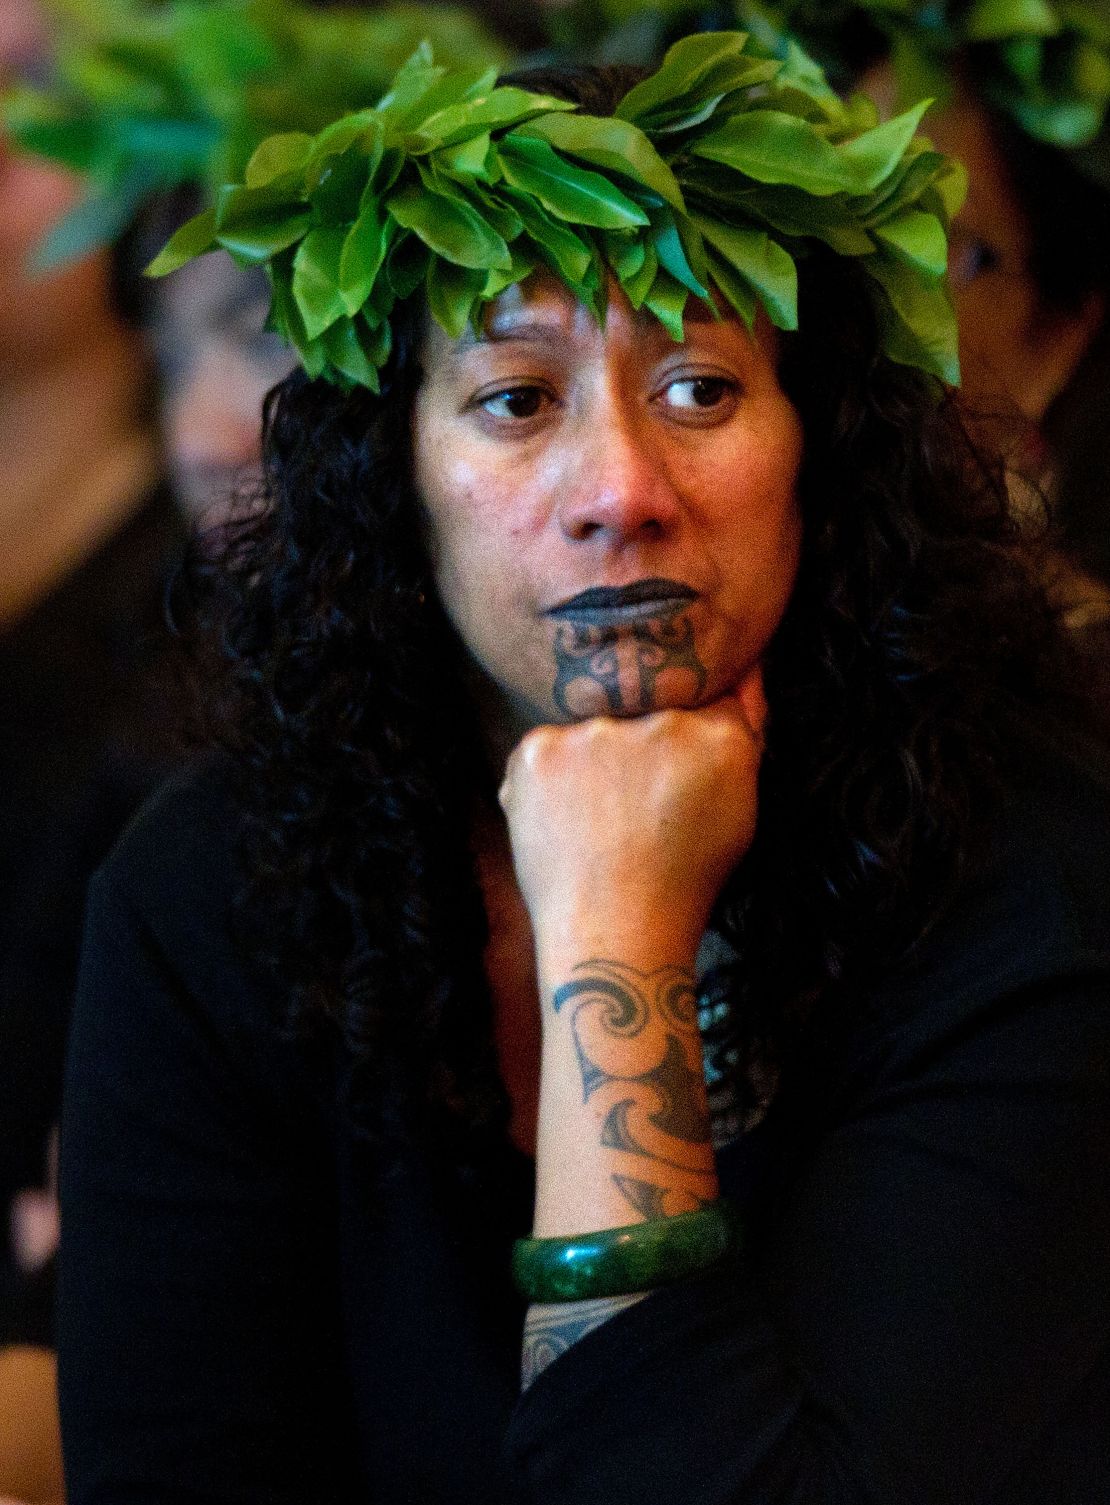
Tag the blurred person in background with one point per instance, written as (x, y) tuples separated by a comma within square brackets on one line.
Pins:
[(88, 536)]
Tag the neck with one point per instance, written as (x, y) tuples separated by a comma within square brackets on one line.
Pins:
[(78, 457)]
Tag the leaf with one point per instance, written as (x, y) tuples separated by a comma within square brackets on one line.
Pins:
[(776, 148), (195, 238), (316, 279), (411, 82), (354, 355), (340, 186), (361, 259), (917, 320), (736, 289), (576, 195), (468, 159), (762, 263), (918, 239), (666, 299), (406, 265), (255, 241), (451, 229), (625, 255), (992, 20), (685, 64), (97, 221), (561, 249), (616, 145), (502, 107), (451, 292), (639, 284), (524, 264), (673, 259), (363, 128), (237, 205), (455, 87), (277, 156)]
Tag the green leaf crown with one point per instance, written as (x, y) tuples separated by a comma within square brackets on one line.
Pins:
[(716, 175), (147, 97), (1045, 63)]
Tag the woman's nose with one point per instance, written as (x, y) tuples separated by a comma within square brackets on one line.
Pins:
[(621, 490)]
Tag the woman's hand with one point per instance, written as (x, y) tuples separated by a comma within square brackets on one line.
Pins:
[(617, 825)]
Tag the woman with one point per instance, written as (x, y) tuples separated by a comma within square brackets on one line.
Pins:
[(336, 996)]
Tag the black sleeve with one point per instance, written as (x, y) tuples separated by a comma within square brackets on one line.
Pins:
[(934, 1296), (199, 1349)]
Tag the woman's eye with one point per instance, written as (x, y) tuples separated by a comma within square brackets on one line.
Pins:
[(699, 393), (514, 402)]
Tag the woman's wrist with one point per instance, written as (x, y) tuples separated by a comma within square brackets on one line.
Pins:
[(623, 1123)]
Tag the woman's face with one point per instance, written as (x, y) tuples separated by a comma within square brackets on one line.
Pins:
[(613, 516)]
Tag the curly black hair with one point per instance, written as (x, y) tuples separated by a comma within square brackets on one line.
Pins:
[(336, 684)]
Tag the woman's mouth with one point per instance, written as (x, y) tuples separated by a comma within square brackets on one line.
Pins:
[(651, 599)]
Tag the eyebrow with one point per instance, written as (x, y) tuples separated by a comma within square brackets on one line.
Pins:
[(526, 326)]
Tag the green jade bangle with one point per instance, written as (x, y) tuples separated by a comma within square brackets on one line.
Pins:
[(621, 1261)]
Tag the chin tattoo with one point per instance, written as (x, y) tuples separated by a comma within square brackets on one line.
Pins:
[(602, 668)]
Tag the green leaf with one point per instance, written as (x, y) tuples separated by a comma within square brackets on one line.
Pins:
[(1069, 123), (625, 254), (673, 259), (776, 148), (411, 82), (353, 354), (762, 263), (97, 221), (456, 86), (917, 320), (524, 264), (316, 279), (236, 205), (502, 107), (992, 20), (466, 160), (918, 239), (452, 292), (736, 289), (361, 259), (576, 195), (616, 145), (666, 299), (406, 265), (363, 128), (255, 241), (340, 186), (451, 229), (560, 248), (684, 66), (196, 237), (276, 157), (640, 283)]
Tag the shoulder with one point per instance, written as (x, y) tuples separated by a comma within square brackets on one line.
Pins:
[(1027, 934), (182, 843), (162, 949)]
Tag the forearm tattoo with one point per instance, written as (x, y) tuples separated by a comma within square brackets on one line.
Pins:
[(550, 1330), (639, 1054), (625, 663)]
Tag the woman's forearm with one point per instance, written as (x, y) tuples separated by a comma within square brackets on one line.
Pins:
[(624, 1132)]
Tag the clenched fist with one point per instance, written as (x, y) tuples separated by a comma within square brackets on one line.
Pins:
[(617, 825)]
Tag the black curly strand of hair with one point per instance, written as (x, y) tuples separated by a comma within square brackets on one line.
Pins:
[(336, 686)]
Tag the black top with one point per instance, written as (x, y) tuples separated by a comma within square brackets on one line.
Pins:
[(87, 731), (922, 1316)]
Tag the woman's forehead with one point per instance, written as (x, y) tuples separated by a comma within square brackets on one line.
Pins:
[(541, 305)]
